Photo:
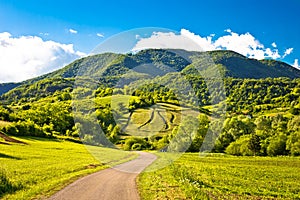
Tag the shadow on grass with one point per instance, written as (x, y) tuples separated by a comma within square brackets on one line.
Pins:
[(5, 143), (6, 186), (8, 156), (31, 138)]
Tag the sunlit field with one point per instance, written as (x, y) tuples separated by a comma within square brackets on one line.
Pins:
[(223, 177), (44, 166)]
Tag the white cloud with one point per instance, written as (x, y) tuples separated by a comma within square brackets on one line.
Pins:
[(26, 57), (245, 44), (287, 52), (73, 31), (137, 36), (45, 34), (186, 40), (100, 35), (296, 64), (205, 43)]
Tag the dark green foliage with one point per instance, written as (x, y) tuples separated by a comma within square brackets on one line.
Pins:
[(277, 145), (239, 66), (293, 144), (254, 144), (4, 114), (38, 89), (24, 128), (135, 143), (240, 147), (260, 95)]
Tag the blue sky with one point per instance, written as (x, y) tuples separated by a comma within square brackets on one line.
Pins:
[(85, 24)]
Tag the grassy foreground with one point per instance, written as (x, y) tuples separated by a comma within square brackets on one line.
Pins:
[(44, 166), (223, 177)]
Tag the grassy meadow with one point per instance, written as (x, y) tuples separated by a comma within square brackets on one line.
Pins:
[(44, 166), (218, 176)]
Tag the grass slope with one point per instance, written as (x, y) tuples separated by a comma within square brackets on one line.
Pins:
[(223, 177), (44, 166), (159, 119)]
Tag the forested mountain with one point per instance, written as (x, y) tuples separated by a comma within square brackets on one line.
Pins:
[(261, 100), (109, 66), (234, 64)]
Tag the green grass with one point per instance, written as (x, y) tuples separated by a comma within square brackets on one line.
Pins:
[(140, 116), (223, 177), (165, 118), (44, 166)]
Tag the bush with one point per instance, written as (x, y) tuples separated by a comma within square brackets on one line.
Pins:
[(24, 128), (240, 147), (277, 145), (4, 114), (293, 144), (135, 143)]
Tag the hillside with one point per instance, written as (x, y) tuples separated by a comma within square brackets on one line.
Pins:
[(239, 66), (109, 67), (235, 65), (152, 100)]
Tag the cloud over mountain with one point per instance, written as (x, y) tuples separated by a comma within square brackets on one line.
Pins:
[(245, 44)]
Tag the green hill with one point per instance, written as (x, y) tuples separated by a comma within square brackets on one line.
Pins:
[(107, 69), (239, 66), (161, 93)]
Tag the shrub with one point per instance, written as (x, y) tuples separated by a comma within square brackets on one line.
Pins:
[(240, 147), (277, 145), (24, 128), (293, 144), (135, 143)]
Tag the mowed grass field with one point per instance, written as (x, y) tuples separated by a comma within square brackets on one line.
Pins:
[(223, 177), (159, 119), (44, 166)]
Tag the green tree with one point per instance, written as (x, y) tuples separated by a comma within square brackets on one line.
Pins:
[(277, 145), (4, 114), (240, 147), (293, 143), (294, 124), (254, 144)]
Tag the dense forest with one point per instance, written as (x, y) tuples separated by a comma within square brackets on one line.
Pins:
[(261, 100)]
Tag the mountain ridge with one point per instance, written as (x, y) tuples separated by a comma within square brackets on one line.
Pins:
[(112, 65)]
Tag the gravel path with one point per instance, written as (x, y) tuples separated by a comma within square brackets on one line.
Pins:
[(117, 183)]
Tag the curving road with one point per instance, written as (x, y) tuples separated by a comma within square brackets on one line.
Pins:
[(117, 183)]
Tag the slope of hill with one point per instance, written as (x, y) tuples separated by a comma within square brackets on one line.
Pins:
[(157, 80), (5, 87), (239, 66), (110, 66)]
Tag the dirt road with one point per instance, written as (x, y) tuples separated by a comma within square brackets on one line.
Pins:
[(117, 183)]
